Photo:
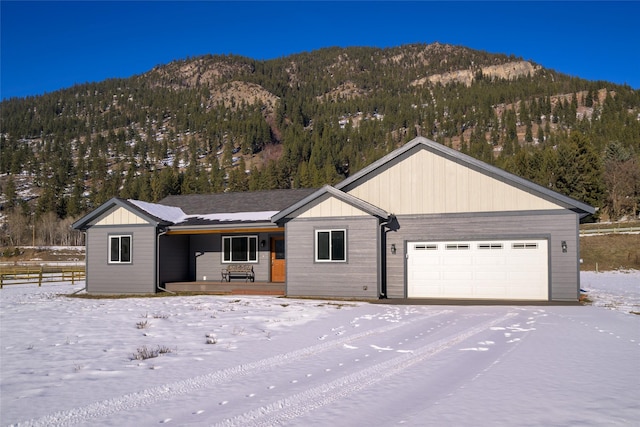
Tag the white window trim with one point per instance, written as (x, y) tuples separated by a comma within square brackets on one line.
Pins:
[(119, 237), (315, 247), (249, 261)]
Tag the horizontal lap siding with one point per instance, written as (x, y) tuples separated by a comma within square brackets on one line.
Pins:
[(208, 263), (135, 278), (565, 267), (305, 277), (558, 225)]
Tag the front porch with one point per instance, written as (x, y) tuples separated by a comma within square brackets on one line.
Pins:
[(229, 288)]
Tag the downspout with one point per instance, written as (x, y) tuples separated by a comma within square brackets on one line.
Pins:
[(383, 256), (162, 233)]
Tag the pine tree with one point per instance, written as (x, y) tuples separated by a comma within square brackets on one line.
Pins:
[(540, 135), (10, 193), (579, 173), (216, 176), (588, 101), (238, 180), (76, 204)]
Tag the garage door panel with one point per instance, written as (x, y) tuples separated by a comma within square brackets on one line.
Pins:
[(459, 289), (426, 275), (487, 260), (488, 277), (456, 260), (428, 290), (526, 276), (495, 292), (501, 269), (451, 276)]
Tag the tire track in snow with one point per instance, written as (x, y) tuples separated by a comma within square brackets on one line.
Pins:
[(291, 407), (167, 391)]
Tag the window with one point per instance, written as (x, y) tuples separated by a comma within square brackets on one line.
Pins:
[(120, 249), (425, 247), (457, 246), (279, 248), (524, 246), (331, 245), (490, 246), (240, 249)]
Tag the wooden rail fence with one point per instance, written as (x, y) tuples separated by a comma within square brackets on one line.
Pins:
[(610, 230), (21, 275)]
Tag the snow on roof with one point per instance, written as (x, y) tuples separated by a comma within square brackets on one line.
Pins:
[(237, 216), (167, 213), (177, 215)]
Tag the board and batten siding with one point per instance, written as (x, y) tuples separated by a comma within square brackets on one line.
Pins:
[(119, 216), (330, 207), (556, 226), (355, 278), (138, 277), (422, 182)]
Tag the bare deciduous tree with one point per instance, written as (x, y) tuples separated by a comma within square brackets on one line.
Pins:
[(622, 180)]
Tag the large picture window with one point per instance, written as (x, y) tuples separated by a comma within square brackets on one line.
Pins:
[(120, 249), (331, 245), (240, 249)]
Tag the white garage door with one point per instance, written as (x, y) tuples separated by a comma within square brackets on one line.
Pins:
[(504, 269)]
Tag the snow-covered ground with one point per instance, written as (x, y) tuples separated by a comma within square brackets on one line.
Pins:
[(262, 361), (616, 290)]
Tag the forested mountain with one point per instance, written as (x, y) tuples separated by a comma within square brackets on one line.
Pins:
[(230, 123)]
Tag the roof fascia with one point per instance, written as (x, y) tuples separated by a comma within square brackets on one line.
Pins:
[(83, 223), (340, 195), (358, 203), (509, 178), (258, 227), (380, 162)]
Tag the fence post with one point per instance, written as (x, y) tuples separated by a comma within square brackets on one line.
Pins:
[(73, 277), (40, 277), (1, 277)]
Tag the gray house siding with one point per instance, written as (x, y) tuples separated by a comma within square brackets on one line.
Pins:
[(138, 277), (355, 278), (174, 259), (556, 226), (206, 255)]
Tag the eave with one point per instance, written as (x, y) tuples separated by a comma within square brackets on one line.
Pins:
[(340, 195), (85, 222), (258, 227)]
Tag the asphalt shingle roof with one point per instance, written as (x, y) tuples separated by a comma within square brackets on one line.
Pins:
[(248, 201)]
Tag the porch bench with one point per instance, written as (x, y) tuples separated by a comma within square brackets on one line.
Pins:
[(238, 270)]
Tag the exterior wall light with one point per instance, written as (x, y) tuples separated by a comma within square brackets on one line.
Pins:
[(263, 243), (393, 248), (564, 246)]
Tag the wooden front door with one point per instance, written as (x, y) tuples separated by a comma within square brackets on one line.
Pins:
[(278, 262)]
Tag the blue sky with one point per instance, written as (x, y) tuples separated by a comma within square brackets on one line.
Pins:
[(51, 45)]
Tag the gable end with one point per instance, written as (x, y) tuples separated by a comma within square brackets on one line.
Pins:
[(426, 177)]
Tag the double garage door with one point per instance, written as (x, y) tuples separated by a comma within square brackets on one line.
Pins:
[(492, 269)]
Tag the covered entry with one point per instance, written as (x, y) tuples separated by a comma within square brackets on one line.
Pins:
[(487, 269)]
